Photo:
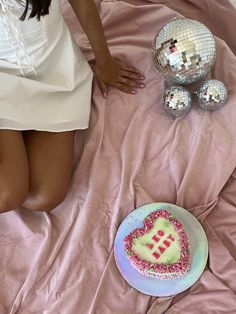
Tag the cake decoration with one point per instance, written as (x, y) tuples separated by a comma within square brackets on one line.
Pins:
[(160, 248)]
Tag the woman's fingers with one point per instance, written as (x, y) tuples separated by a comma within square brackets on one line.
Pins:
[(124, 88), (101, 84), (129, 82), (129, 78), (132, 75), (119, 75)]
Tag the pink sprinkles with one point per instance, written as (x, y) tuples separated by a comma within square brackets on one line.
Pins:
[(160, 271)]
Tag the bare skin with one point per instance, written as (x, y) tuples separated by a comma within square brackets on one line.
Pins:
[(35, 169), (50, 157), (35, 166), (14, 170), (108, 71)]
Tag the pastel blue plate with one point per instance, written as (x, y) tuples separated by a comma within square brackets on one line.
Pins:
[(152, 286)]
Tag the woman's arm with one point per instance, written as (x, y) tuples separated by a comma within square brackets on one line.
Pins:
[(107, 70), (89, 19)]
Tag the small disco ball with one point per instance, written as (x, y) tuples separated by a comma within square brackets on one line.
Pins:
[(184, 51), (212, 95), (177, 101)]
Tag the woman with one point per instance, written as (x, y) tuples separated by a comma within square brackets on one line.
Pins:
[(45, 96)]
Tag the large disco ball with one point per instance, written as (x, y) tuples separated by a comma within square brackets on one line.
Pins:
[(184, 51)]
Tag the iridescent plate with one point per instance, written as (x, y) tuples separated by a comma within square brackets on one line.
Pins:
[(152, 286)]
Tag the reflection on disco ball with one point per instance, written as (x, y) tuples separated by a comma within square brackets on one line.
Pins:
[(177, 101), (212, 95), (184, 51)]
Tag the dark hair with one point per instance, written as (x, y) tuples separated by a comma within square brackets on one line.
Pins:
[(38, 8)]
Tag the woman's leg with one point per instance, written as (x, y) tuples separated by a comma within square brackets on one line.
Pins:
[(50, 162), (14, 172)]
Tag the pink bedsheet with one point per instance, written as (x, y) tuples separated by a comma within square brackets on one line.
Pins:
[(62, 262)]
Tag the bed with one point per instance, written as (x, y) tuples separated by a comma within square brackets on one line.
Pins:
[(62, 262)]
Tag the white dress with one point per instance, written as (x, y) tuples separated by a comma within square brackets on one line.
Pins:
[(45, 80)]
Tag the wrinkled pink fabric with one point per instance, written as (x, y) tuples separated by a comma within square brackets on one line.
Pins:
[(132, 154)]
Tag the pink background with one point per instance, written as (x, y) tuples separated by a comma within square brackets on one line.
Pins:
[(132, 154)]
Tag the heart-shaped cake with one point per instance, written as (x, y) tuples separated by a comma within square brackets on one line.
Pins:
[(160, 248)]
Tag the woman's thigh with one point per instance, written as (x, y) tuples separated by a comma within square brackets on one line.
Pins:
[(50, 158), (14, 171)]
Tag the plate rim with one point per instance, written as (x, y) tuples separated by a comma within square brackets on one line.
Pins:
[(172, 280)]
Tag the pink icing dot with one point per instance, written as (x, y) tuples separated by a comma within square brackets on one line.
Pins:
[(150, 245), (160, 233), (156, 255), (161, 249), (155, 238), (167, 243)]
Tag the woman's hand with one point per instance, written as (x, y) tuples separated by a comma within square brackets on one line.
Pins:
[(109, 72), (119, 75)]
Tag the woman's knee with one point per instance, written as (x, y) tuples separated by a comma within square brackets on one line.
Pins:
[(14, 170), (11, 198), (44, 200)]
